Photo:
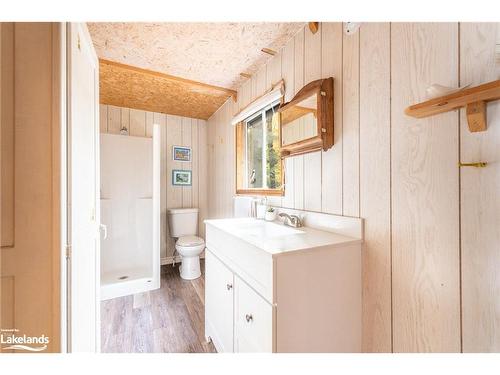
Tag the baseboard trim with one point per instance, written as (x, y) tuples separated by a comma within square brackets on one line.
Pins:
[(170, 259)]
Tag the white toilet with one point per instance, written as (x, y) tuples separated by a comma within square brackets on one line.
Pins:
[(183, 224)]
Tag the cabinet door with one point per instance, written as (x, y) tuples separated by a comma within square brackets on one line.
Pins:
[(253, 320), (218, 303)]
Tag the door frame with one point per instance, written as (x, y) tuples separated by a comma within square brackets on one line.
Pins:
[(66, 30)]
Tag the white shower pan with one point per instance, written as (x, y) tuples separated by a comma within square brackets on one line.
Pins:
[(130, 210)]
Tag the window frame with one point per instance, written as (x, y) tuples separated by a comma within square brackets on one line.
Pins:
[(242, 154)]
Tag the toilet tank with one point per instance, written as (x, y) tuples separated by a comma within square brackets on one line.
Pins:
[(183, 222)]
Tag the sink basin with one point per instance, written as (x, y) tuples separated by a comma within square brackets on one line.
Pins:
[(265, 229)]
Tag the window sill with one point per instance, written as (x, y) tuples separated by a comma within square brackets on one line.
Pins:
[(268, 192)]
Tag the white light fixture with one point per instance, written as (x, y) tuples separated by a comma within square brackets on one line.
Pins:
[(351, 27)]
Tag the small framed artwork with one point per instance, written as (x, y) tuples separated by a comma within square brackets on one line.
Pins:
[(180, 153), (182, 178)]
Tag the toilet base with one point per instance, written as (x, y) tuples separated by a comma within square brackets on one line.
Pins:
[(190, 268)]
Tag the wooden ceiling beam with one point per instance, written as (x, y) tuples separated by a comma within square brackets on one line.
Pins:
[(131, 87), (230, 92)]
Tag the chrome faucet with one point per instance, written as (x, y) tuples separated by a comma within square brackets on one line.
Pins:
[(291, 220)]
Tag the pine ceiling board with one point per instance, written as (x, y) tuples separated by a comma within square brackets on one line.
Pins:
[(126, 86), (213, 53)]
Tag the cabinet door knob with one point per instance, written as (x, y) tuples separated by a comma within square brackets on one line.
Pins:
[(249, 317), (229, 286)]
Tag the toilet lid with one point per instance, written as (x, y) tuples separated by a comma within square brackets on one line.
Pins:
[(190, 241)]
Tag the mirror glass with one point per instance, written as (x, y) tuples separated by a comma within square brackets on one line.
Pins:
[(300, 121)]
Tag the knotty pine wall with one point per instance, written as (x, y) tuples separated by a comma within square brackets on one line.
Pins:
[(430, 257), (174, 131)]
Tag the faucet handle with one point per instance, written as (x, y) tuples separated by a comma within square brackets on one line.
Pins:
[(288, 218), (296, 220), (291, 220)]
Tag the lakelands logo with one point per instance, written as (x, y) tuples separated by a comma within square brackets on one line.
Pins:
[(11, 340)]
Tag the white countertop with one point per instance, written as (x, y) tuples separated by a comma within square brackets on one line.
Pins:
[(276, 238)]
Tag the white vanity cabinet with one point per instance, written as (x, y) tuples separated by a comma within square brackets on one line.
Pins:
[(274, 289), (239, 319), (219, 297)]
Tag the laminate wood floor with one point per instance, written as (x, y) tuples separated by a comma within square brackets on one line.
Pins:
[(167, 320)]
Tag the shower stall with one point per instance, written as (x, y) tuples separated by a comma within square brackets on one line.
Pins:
[(130, 211)]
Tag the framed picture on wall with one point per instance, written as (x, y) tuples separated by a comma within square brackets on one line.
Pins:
[(180, 153), (182, 178)]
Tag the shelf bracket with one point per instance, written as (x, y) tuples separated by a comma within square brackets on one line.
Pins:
[(476, 116)]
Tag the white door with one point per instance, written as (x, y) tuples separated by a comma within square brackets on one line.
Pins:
[(218, 303), (83, 193)]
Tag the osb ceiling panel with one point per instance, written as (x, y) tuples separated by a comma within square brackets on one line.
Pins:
[(213, 53), (132, 87)]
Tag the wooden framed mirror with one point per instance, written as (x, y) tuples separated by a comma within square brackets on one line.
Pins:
[(307, 120)]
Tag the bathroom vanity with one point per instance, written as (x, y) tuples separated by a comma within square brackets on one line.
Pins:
[(274, 288)]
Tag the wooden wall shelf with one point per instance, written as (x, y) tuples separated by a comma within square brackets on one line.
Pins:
[(473, 99)]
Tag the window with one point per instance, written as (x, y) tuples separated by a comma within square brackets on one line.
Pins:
[(259, 169)]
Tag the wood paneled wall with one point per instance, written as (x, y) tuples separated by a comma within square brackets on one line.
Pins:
[(480, 197), (174, 131), (375, 184), (221, 162), (424, 193), (430, 257)]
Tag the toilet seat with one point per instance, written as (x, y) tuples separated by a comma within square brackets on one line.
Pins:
[(190, 251), (190, 248), (187, 241)]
